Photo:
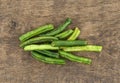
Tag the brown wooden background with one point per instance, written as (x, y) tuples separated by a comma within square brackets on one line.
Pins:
[(99, 21)]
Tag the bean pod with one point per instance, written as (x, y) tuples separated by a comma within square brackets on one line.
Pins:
[(75, 34), (93, 48), (74, 58), (40, 47), (35, 32), (45, 59), (64, 34), (61, 43), (38, 40), (60, 28), (48, 53)]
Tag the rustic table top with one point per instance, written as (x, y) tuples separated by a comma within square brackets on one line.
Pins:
[(99, 21)]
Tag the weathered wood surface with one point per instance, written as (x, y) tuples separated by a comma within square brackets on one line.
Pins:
[(99, 21)]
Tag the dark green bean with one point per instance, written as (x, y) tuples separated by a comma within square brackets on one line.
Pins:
[(35, 32), (75, 58), (38, 40), (45, 59), (48, 53), (60, 28), (61, 43)]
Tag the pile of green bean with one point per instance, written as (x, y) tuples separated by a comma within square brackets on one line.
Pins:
[(53, 46)]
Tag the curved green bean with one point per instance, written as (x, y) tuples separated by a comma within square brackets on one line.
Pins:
[(45, 59), (75, 58), (38, 40), (40, 47), (62, 43), (35, 32), (60, 27), (64, 34), (48, 53), (84, 48), (75, 34)]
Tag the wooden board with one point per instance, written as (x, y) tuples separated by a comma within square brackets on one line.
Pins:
[(99, 21)]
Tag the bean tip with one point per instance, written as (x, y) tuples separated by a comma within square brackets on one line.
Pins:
[(68, 20)]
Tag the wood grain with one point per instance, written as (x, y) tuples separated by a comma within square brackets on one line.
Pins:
[(99, 21)]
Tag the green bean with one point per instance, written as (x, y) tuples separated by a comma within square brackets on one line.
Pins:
[(35, 32), (38, 40), (48, 53), (64, 34), (65, 43), (45, 59), (72, 57), (60, 28), (75, 34), (84, 48), (40, 47)]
